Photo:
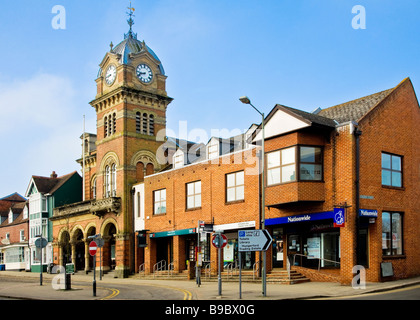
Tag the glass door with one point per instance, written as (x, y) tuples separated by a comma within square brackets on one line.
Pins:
[(294, 249)]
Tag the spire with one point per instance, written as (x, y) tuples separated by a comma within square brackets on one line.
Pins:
[(130, 22)]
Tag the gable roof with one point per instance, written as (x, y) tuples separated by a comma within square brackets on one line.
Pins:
[(356, 109), (49, 184)]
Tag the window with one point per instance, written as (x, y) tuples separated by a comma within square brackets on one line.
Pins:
[(114, 123), (105, 127), (94, 188), (151, 125), (144, 123), (235, 186), (159, 197), (113, 180), (178, 159), (21, 235), (310, 166), (391, 170), (110, 125), (107, 184), (213, 150), (138, 205), (281, 166), (138, 122), (392, 237), (194, 195)]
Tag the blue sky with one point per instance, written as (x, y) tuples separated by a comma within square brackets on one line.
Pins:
[(299, 53)]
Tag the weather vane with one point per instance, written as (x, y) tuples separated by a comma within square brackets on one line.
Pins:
[(131, 22)]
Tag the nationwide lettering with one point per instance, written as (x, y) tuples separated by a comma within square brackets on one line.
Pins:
[(296, 219)]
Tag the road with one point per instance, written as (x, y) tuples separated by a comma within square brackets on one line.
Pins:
[(30, 288), (407, 293)]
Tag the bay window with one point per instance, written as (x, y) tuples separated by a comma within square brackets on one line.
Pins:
[(299, 163)]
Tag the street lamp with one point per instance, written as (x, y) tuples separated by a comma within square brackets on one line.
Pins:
[(246, 100)]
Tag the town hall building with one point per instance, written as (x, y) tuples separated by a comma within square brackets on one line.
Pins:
[(147, 194)]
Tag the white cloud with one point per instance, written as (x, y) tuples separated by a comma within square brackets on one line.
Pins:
[(40, 128)]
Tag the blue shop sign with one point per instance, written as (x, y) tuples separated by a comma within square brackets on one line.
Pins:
[(368, 213), (301, 218)]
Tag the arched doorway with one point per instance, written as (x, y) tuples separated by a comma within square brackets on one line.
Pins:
[(65, 248), (91, 231), (108, 258), (79, 250)]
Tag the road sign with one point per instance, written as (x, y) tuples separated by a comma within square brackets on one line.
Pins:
[(41, 243), (254, 240), (219, 243), (93, 247)]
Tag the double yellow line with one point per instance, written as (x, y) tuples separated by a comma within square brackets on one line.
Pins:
[(114, 293)]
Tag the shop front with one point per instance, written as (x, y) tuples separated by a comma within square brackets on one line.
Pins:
[(308, 240)]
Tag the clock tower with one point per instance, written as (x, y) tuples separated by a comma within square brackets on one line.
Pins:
[(130, 105)]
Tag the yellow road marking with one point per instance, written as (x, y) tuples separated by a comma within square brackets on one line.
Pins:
[(115, 292)]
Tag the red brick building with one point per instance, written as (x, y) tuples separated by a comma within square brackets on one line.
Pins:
[(14, 233), (358, 161)]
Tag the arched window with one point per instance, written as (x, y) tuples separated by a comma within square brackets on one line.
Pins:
[(144, 123), (151, 125), (107, 184), (150, 169), (138, 122), (106, 127), (94, 188), (139, 171), (113, 180), (109, 125), (114, 123)]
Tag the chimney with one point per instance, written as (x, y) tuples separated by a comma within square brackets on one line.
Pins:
[(53, 175)]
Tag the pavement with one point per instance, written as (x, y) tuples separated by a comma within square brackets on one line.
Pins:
[(26, 285)]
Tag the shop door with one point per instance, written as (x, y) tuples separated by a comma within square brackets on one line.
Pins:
[(278, 248), (330, 250), (294, 249), (164, 250)]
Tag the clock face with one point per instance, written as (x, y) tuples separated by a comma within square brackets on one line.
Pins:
[(144, 73), (111, 74)]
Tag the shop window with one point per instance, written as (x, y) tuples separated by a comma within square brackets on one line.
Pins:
[(159, 197), (391, 170), (392, 237), (194, 195), (235, 186)]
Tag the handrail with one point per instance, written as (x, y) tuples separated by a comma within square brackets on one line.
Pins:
[(255, 268), (231, 267), (159, 266), (312, 257), (207, 269), (171, 268), (142, 269)]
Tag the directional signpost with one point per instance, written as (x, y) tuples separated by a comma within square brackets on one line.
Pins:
[(40, 243), (252, 240)]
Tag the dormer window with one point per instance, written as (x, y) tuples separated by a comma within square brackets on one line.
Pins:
[(178, 159), (213, 149)]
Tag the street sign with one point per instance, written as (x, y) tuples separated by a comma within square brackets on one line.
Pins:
[(93, 247), (219, 243), (41, 243), (100, 242), (254, 240)]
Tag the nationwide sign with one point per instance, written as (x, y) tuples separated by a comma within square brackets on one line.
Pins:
[(254, 240), (300, 218), (368, 213)]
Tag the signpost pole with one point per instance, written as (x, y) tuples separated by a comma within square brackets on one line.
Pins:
[(219, 258), (40, 269), (240, 275), (94, 275)]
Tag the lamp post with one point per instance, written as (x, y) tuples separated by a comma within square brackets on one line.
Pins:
[(246, 100)]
